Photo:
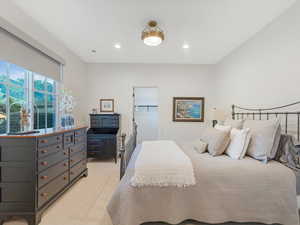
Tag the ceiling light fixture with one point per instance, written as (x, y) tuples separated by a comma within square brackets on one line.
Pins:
[(185, 46), (94, 51), (152, 35), (118, 46)]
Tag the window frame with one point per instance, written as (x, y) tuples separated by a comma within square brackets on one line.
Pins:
[(29, 91)]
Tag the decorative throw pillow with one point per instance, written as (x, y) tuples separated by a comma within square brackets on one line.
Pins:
[(264, 141), (200, 146), (238, 124), (223, 128), (239, 141), (217, 140)]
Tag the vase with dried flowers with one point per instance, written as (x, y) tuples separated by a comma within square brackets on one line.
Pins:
[(66, 107), (25, 122)]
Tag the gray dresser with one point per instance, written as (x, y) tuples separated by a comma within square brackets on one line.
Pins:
[(36, 169)]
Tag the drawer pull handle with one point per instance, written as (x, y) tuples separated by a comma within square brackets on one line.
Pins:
[(44, 177), (57, 146), (44, 163), (65, 178), (44, 194), (71, 160), (44, 151), (71, 150), (44, 141), (65, 153), (65, 164)]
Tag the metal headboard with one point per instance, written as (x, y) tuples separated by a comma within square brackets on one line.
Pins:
[(267, 113)]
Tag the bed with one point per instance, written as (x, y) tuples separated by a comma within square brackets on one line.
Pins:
[(226, 192)]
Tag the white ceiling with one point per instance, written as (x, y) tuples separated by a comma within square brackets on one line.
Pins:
[(212, 28)]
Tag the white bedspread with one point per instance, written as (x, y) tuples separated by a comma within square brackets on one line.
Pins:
[(162, 163)]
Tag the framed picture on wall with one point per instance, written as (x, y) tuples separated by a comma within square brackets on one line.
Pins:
[(107, 105), (188, 109)]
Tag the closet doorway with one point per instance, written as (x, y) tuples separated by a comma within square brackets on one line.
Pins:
[(145, 113)]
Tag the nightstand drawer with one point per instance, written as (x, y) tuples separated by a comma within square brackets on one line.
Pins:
[(47, 175)]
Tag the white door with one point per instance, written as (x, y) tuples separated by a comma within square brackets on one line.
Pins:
[(146, 113)]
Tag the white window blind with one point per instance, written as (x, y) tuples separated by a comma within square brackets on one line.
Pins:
[(18, 48)]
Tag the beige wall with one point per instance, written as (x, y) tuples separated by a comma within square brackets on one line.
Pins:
[(266, 70), (75, 69), (117, 81)]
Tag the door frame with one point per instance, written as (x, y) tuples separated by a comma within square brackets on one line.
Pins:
[(133, 105)]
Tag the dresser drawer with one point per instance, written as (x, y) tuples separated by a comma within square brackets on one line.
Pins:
[(47, 175), (13, 150), (43, 152), (77, 148), (17, 192), (51, 160), (80, 132), (74, 159), (80, 139), (17, 172), (77, 169), (68, 138), (49, 191), (49, 140)]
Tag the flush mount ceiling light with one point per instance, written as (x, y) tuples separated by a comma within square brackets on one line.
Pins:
[(152, 35), (117, 46), (185, 46)]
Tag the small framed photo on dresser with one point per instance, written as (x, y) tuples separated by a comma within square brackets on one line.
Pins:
[(107, 105)]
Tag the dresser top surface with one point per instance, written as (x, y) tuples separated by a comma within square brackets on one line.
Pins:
[(104, 114), (43, 132)]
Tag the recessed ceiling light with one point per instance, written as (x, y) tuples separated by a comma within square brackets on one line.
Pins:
[(94, 51), (117, 46), (185, 46)]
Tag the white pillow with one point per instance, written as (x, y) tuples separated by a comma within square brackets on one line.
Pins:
[(239, 141), (223, 128), (238, 124), (217, 140), (265, 138), (200, 146)]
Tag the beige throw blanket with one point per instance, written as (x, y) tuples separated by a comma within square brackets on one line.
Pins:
[(162, 163)]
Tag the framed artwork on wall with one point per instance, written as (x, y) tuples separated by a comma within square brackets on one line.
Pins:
[(188, 109), (107, 105)]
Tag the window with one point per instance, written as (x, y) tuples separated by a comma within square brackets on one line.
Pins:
[(20, 88)]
